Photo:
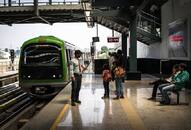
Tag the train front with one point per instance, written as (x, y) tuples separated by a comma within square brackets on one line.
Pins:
[(42, 66)]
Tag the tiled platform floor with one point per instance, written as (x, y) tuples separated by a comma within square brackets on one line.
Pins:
[(134, 112)]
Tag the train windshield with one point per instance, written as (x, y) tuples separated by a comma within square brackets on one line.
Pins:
[(42, 61), (42, 55)]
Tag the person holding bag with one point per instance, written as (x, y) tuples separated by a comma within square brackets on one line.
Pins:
[(119, 74)]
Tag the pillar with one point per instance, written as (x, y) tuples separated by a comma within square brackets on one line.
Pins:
[(133, 74)]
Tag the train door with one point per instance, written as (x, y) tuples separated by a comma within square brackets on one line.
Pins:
[(69, 57)]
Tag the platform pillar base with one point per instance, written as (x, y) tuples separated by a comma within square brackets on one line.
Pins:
[(133, 75)]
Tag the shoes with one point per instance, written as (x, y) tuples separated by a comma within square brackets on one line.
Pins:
[(122, 96), (164, 102), (73, 104), (105, 97), (152, 98), (116, 98), (78, 101), (151, 83)]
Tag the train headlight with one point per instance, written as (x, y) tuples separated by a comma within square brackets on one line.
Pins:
[(54, 76), (29, 76)]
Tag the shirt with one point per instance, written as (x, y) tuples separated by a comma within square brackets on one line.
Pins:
[(75, 66), (106, 74), (181, 79)]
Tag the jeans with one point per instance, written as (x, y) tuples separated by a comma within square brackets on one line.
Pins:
[(119, 86), (164, 90), (156, 85)]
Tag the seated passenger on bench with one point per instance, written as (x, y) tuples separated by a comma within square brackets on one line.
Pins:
[(177, 84), (163, 81)]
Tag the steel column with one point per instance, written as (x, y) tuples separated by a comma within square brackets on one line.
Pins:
[(50, 2), (9, 2), (36, 7), (124, 49), (133, 45)]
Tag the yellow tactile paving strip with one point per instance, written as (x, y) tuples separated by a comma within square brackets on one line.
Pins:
[(133, 117), (59, 118)]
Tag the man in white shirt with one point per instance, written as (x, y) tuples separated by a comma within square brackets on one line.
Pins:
[(76, 76)]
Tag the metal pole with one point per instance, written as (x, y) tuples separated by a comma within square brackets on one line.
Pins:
[(9, 3), (133, 45), (124, 49), (4, 2), (160, 67), (50, 2), (112, 33), (97, 29), (36, 7)]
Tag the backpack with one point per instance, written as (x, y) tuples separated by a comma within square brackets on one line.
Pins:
[(119, 72), (107, 75)]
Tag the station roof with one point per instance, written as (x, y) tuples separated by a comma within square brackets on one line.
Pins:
[(117, 14), (45, 13), (113, 11)]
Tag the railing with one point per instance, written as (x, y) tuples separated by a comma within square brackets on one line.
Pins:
[(149, 23), (6, 65), (31, 3)]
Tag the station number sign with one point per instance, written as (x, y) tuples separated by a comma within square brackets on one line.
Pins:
[(113, 39)]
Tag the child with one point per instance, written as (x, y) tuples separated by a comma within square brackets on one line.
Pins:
[(106, 74), (119, 74)]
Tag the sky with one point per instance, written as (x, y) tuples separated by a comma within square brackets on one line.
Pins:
[(76, 33)]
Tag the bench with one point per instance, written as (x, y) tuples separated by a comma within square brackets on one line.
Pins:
[(177, 93), (188, 84)]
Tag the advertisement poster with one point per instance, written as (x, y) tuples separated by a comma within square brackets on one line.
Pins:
[(178, 39)]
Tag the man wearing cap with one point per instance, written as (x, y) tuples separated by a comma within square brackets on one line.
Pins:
[(76, 76)]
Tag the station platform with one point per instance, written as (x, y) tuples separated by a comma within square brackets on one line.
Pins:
[(8, 73), (8, 77), (134, 112)]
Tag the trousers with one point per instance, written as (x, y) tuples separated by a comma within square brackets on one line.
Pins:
[(76, 86)]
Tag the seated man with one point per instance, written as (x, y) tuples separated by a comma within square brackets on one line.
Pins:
[(165, 82), (178, 83)]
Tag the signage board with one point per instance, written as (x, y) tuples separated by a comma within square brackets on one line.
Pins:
[(113, 39), (95, 39)]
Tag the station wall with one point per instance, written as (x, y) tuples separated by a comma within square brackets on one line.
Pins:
[(174, 13), (175, 47), (145, 51)]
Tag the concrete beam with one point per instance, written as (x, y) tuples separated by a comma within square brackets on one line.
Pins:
[(111, 13)]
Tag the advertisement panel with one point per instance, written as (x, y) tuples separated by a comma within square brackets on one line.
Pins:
[(178, 46)]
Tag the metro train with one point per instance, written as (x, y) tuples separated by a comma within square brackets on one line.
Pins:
[(44, 65)]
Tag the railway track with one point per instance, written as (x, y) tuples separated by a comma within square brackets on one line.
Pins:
[(12, 101), (15, 104)]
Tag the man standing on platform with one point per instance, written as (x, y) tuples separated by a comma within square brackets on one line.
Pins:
[(76, 76)]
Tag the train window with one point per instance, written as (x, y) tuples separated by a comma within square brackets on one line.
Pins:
[(42, 55)]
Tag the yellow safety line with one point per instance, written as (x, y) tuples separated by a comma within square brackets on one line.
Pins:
[(59, 118), (133, 117)]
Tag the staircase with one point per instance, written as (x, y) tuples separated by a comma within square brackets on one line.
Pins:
[(148, 28)]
